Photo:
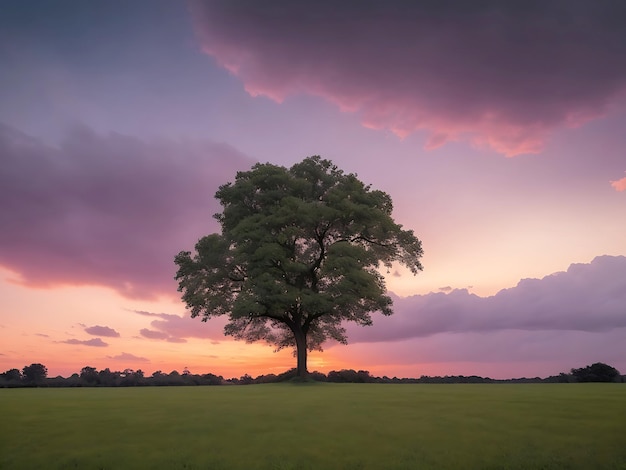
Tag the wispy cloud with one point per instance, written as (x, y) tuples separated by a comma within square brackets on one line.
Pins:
[(95, 342), (102, 331), (502, 74)]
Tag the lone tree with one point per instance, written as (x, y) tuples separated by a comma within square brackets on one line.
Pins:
[(299, 254)]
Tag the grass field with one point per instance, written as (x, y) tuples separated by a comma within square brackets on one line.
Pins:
[(318, 426)]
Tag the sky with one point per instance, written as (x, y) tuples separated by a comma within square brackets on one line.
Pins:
[(497, 128)]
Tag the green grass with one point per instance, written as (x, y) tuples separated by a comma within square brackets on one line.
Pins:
[(319, 426)]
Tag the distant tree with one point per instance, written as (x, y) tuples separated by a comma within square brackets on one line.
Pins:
[(131, 378), (11, 378), (174, 378), (34, 374), (108, 378), (318, 376), (350, 376), (246, 380), (299, 255), (597, 372), (212, 379), (89, 375), (73, 381), (12, 375)]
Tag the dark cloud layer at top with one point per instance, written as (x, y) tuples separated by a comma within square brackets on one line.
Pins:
[(587, 297), (106, 210), (502, 74)]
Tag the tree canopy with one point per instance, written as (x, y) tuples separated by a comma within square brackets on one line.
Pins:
[(597, 372), (34, 373), (299, 254)]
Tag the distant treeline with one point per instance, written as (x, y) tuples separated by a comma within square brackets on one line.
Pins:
[(36, 375)]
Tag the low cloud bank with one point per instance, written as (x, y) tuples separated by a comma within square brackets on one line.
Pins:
[(587, 297)]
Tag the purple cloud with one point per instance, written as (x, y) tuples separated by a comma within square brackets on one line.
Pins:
[(102, 331), (587, 298), (151, 334), (95, 342), (107, 210), (175, 329), (129, 357), (501, 74)]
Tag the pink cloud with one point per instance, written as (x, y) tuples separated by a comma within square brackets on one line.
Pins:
[(129, 357), (499, 74), (175, 329), (95, 342), (619, 185), (586, 297), (102, 331), (106, 210), (153, 334)]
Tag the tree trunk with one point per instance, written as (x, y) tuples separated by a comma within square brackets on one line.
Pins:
[(301, 350)]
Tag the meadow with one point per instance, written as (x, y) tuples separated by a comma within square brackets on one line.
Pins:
[(316, 426)]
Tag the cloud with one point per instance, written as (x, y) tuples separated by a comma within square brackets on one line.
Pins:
[(102, 331), (129, 357), (175, 329), (95, 342), (152, 334), (501, 74), (619, 185), (587, 298), (109, 210), (42, 335), (172, 339)]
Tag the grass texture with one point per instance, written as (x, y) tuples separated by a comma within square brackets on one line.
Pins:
[(316, 426)]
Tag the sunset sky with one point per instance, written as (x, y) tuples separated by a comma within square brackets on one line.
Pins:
[(498, 128)]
